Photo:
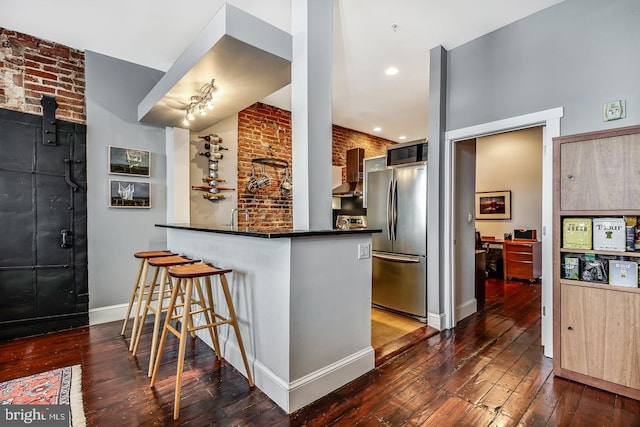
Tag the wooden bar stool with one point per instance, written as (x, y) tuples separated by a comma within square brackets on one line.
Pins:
[(158, 292), (192, 274), (139, 287)]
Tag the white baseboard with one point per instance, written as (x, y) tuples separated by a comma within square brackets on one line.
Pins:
[(294, 395), (466, 309), (323, 381), (109, 313), (436, 321)]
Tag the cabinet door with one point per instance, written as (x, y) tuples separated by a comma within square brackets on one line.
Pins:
[(600, 174), (600, 334)]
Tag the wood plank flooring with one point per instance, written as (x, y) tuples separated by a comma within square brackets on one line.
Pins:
[(387, 326), (488, 371)]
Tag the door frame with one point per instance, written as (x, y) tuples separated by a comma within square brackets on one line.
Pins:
[(550, 121)]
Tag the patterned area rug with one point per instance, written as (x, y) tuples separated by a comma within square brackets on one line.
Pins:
[(56, 387)]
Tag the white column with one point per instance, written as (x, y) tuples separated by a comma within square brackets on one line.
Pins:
[(178, 185), (311, 83)]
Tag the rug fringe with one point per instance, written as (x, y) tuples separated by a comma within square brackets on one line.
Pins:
[(77, 406)]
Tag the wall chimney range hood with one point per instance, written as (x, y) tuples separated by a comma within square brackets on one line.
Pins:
[(353, 186)]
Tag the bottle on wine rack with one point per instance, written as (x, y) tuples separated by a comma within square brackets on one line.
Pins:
[(213, 196), (211, 154), (212, 137), (214, 147)]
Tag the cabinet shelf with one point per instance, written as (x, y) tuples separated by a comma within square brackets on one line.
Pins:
[(604, 286), (599, 252)]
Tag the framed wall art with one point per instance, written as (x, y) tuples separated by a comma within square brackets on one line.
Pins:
[(129, 161), (129, 194), (493, 205)]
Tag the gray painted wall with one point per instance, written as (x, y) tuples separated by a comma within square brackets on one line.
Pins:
[(578, 55), (113, 90)]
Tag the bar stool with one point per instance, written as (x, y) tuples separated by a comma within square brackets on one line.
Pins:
[(139, 287), (159, 292), (192, 274)]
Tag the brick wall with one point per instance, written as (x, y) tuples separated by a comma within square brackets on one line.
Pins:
[(31, 67), (345, 139), (265, 131)]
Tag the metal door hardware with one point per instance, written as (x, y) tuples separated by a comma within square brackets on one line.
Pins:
[(66, 239)]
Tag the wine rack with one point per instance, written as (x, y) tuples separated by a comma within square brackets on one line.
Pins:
[(213, 151)]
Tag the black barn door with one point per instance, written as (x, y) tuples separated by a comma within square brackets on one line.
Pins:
[(43, 227)]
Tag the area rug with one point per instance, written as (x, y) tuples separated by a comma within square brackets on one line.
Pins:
[(61, 386)]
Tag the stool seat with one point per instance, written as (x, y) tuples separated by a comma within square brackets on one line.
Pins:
[(152, 254), (167, 261), (196, 270)]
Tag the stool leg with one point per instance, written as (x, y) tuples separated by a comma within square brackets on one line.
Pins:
[(164, 280), (208, 312), (193, 333), (214, 338), (186, 313), (152, 287), (136, 319), (145, 311), (234, 322), (133, 296), (165, 330)]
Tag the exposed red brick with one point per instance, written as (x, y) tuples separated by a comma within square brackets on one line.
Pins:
[(39, 58), (68, 94), (44, 75), (18, 80), (57, 50), (40, 67), (39, 88)]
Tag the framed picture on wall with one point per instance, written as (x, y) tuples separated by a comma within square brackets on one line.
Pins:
[(129, 194), (493, 205), (129, 161)]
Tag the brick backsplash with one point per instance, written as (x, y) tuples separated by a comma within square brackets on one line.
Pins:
[(265, 131), (31, 67)]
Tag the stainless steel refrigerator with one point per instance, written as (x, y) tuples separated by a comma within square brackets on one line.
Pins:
[(397, 203)]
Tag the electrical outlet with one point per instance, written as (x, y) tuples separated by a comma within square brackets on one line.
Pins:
[(364, 250), (614, 110)]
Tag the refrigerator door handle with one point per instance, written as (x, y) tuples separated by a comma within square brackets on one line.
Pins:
[(396, 257), (395, 209), (389, 217)]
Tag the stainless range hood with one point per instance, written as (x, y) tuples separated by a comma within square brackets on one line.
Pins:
[(353, 186)]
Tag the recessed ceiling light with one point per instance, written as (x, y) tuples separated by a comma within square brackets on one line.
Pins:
[(402, 137), (377, 129), (391, 71)]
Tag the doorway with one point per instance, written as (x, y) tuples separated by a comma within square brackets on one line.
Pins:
[(43, 223), (550, 120)]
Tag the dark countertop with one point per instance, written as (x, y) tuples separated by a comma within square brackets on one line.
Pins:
[(267, 232)]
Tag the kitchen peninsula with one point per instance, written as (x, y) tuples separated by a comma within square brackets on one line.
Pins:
[(303, 301)]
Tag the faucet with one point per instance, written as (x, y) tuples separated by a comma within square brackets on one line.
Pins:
[(234, 210)]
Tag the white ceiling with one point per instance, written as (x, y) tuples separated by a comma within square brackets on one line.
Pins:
[(155, 32)]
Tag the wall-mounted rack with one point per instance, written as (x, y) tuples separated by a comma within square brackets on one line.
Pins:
[(271, 161), (212, 151), (262, 180)]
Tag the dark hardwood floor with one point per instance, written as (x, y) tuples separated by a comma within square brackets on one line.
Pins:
[(489, 370)]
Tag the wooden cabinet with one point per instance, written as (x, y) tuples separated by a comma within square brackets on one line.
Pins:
[(597, 348), (600, 173), (522, 259), (596, 336)]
